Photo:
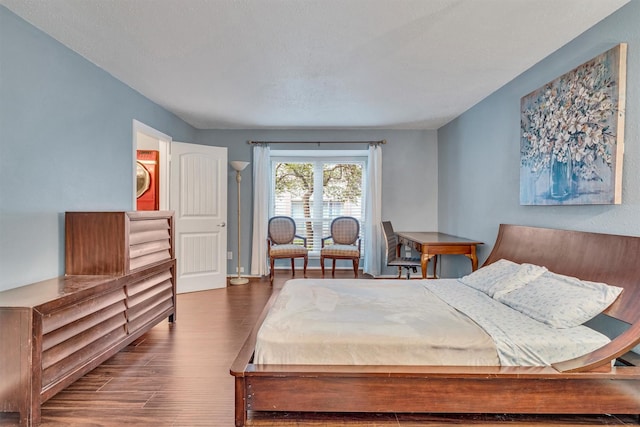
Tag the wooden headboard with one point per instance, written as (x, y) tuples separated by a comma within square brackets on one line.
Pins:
[(608, 258)]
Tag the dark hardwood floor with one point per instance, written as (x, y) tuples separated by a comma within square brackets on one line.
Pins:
[(178, 375)]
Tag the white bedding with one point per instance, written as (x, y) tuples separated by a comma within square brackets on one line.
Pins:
[(416, 322)]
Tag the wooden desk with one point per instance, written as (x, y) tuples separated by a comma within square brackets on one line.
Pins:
[(430, 244)]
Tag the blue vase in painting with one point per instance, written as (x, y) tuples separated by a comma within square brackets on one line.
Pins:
[(561, 178)]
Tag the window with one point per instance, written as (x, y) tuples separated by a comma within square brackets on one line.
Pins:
[(339, 178)]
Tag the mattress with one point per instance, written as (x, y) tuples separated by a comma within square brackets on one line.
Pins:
[(407, 322)]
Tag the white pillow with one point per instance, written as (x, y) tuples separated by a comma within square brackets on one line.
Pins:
[(561, 301), (525, 274), (484, 278)]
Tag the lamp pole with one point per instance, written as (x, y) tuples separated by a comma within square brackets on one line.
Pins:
[(239, 166)]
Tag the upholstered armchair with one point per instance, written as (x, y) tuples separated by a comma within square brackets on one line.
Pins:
[(345, 238), (280, 244)]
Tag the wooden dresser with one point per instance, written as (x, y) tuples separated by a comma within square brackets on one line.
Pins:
[(119, 282)]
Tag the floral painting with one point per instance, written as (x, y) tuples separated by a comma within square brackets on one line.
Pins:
[(572, 132)]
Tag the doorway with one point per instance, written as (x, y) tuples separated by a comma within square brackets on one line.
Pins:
[(194, 187), (147, 138)]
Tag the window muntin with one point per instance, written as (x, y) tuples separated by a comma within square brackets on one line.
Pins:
[(293, 193)]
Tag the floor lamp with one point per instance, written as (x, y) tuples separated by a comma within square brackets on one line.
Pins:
[(239, 166)]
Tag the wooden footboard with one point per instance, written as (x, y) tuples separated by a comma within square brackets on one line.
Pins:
[(433, 389)]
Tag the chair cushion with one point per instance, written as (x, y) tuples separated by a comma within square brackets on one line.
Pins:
[(340, 250), (285, 251)]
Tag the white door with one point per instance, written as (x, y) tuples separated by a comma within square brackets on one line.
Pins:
[(198, 196)]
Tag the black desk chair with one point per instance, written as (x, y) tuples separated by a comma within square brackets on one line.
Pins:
[(411, 264)]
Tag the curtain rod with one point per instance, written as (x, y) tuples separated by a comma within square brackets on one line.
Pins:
[(382, 141)]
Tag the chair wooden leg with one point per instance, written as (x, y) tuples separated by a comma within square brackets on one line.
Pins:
[(271, 270), (355, 267), (304, 269), (293, 267), (322, 264), (333, 268)]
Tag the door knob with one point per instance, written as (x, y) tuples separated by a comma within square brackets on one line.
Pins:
[(222, 225)]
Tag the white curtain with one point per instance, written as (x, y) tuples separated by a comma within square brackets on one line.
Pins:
[(261, 190), (373, 212)]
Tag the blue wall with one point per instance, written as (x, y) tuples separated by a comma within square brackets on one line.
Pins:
[(479, 152), (409, 175), (65, 144)]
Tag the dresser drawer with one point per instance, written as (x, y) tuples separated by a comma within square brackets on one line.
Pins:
[(76, 333), (148, 299), (149, 242)]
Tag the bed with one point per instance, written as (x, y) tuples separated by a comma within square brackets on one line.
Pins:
[(587, 384)]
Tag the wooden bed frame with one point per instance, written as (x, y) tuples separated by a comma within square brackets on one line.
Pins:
[(585, 385)]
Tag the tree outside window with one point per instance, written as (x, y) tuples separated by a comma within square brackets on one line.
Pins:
[(294, 194)]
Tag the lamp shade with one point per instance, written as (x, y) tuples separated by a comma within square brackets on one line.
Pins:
[(238, 165)]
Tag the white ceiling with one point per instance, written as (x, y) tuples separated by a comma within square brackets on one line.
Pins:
[(401, 64)]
